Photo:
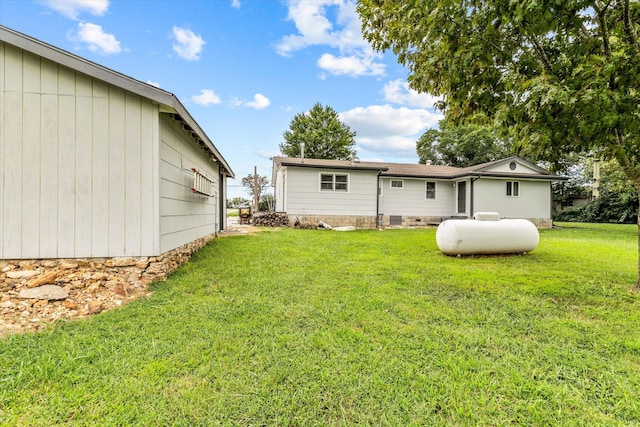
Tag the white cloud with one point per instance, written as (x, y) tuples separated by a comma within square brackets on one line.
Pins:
[(206, 97), (96, 39), (72, 8), (235, 4), (350, 65), (156, 84), (315, 28), (398, 92), (187, 44), (387, 129), (259, 102)]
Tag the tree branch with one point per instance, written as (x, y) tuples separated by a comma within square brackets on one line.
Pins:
[(542, 55), (629, 30)]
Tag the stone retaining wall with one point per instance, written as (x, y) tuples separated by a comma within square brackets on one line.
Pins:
[(88, 286)]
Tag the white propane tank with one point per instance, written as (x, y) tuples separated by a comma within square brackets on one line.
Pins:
[(486, 234)]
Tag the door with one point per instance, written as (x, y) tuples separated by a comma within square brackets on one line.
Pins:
[(462, 197)]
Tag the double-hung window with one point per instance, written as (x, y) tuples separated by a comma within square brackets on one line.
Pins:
[(430, 190), (513, 189), (334, 182)]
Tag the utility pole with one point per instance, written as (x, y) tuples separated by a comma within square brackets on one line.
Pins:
[(255, 189)]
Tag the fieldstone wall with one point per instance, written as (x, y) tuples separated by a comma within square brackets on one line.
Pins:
[(36, 292)]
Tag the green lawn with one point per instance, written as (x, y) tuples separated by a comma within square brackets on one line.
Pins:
[(302, 327)]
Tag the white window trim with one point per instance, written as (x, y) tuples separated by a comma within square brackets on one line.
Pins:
[(436, 191), (396, 180), (512, 186), (333, 190)]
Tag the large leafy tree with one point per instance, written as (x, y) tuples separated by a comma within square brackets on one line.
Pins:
[(323, 134), (461, 146), (255, 183), (563, 76)]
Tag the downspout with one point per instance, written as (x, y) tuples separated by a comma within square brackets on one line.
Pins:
[(471, 195), (378, 201)]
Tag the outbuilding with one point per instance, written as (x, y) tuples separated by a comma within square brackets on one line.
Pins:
[(97, 164)]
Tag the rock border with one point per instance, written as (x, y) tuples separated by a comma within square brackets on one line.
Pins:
[(93, 285)]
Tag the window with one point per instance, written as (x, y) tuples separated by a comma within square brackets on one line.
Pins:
[(513, 189), (431, 190), (334, 182), (395, 183)]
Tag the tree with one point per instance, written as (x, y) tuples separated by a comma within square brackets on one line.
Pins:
[(323, 134), (248, 182), (563, 77), (461, 146)]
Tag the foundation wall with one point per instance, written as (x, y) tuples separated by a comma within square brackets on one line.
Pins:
[(93, 284)]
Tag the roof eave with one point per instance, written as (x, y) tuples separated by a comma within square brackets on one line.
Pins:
[(97, 71)]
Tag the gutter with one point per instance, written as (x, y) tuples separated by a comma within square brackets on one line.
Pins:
[(378, 225)]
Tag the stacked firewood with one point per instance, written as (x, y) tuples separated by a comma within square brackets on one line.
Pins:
[(271, 219)]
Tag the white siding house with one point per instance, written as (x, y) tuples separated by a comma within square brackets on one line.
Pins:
[(96, 164), (380, 194)]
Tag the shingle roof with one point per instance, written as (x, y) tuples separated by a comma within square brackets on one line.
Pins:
[(416, 170)]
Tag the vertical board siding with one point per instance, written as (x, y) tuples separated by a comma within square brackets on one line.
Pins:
[(66, 174), (49, 177), (116, 172), (2, 147), (31, 175), (83, 181), (79, 164), (184, 215), (132, 164)]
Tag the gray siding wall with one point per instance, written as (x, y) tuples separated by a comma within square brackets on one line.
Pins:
[(184, 215), (78, 160), (303, 195), (534, 200), (412, 200)]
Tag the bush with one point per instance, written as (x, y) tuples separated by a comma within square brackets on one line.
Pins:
[(611, 207)]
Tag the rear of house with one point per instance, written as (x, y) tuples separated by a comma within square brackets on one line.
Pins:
[(370, 194)]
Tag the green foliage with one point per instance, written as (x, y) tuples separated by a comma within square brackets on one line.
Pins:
[(322, 132), (267, 203), (237, 202), (461, 146), (617, 208), (249, 183), (618, 202), (563, 76), (302, 327)]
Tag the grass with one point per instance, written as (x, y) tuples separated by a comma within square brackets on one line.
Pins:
[(301, 327)]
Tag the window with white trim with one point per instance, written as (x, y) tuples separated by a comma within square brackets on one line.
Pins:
[(397, 183), (430, 187), (334, 182), (513, 189)]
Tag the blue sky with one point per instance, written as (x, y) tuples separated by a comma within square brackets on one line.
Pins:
[(244, 68)]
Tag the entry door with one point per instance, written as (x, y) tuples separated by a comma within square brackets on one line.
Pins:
[(462, 197)]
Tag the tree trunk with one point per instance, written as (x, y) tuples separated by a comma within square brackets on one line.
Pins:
[(638, 280)]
